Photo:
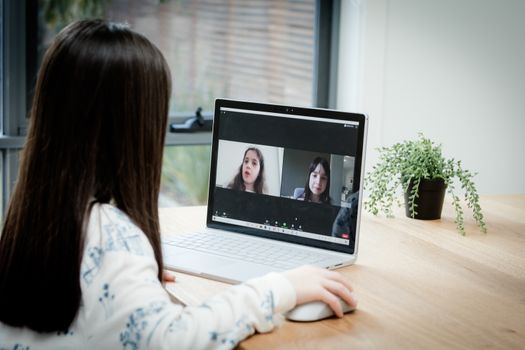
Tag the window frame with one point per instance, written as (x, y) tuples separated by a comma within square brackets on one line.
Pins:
[(14, 92), (328, 14), (18, 41)]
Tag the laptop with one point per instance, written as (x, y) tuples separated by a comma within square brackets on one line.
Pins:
[(284, 191)]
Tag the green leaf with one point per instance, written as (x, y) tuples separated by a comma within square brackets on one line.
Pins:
[(409, 161)]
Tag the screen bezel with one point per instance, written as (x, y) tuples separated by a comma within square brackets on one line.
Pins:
[(328, 114)]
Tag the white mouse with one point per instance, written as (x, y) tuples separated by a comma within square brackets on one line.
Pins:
[(314, 311)]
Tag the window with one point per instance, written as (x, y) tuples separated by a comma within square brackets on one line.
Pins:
[(262, 50), (1, 70), (13, 91)]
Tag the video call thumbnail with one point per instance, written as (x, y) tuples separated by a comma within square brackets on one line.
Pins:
[(285, 172)]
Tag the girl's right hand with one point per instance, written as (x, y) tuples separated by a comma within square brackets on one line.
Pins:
[(317, 284)]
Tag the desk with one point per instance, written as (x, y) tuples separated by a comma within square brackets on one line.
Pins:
[(420, 284)]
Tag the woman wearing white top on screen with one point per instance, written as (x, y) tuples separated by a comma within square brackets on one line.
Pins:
[(80, 257)]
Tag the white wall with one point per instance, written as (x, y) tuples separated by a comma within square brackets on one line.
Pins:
[(452, 69)]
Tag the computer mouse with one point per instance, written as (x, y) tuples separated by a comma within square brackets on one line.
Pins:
[(314, 311)]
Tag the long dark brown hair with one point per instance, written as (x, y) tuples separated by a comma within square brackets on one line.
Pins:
[(325, 196), (238, 183), (97, 133)]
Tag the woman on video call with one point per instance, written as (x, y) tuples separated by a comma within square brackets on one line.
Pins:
[(81, 263), (317, 187), (250, 177)]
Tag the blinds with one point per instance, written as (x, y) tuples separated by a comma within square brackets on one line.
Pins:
[(260, 50)]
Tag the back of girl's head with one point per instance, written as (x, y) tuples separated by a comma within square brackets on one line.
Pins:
[(101, 107), (97, 131)]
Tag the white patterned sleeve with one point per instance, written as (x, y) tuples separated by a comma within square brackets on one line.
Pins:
[(125, 306)]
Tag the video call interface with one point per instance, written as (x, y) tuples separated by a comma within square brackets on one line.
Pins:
[(287, 174)]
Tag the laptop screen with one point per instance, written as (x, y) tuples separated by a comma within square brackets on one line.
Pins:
[(287, 173)]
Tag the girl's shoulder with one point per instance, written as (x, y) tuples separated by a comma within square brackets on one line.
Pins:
[(105, 215), (110, 229)]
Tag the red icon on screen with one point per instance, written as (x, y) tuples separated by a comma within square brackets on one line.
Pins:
[(344, 235)]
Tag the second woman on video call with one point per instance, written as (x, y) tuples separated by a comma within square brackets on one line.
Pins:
[(317, 186)]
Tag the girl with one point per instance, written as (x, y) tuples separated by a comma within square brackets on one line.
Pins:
[(317, 187), (80, 257), (251, 173)]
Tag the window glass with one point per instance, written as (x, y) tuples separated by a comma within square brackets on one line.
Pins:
[(261, 50), (185, 175)]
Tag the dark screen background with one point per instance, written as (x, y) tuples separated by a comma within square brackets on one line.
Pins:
[(307, 135)]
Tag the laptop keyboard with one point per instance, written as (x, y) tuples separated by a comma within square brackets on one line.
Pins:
[(241, 248)]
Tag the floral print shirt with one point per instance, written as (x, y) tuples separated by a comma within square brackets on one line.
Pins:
[(124, 306)]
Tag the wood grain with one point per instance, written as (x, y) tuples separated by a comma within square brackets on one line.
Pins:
[(420, 284)]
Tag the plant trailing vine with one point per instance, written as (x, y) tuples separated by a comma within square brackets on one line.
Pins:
[(405, 164)]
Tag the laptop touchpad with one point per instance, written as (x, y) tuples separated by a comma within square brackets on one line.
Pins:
[(196, 261)]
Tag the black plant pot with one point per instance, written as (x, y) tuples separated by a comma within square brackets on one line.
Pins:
[(430, 200)]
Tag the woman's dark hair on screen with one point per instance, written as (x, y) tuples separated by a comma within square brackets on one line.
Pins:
[(325, 196), (238, 183), (97, 132)]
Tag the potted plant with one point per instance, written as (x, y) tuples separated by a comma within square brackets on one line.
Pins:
[(420, 169)]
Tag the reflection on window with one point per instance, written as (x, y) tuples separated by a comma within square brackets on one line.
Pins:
[(243, 49)]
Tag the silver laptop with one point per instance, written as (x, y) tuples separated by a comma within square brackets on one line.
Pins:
[(285, 190)]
